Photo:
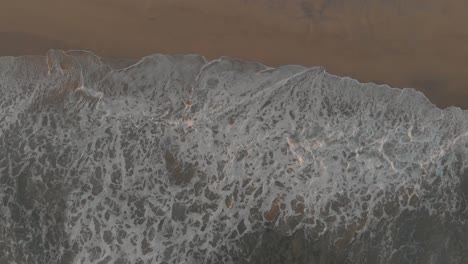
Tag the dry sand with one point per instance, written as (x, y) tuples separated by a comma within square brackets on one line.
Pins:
[(411, 43)]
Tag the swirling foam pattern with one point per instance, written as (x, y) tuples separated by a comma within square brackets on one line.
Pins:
[(174, 159)]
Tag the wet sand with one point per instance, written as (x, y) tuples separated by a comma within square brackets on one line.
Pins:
[(418, 44)]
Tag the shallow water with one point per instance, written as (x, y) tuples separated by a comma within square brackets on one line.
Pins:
[(176, 159)]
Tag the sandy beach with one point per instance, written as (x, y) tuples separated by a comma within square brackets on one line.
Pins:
[(423, 45)]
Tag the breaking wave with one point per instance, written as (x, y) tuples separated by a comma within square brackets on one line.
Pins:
[(175, 159)]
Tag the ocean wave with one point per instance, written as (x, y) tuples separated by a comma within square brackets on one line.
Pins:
[(176, 159)]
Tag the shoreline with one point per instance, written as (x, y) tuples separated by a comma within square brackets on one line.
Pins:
[(403, 46)]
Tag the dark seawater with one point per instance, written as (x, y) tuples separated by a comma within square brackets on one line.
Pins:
[(175, 159)]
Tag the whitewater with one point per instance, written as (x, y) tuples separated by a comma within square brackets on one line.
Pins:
[(176, 159)]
